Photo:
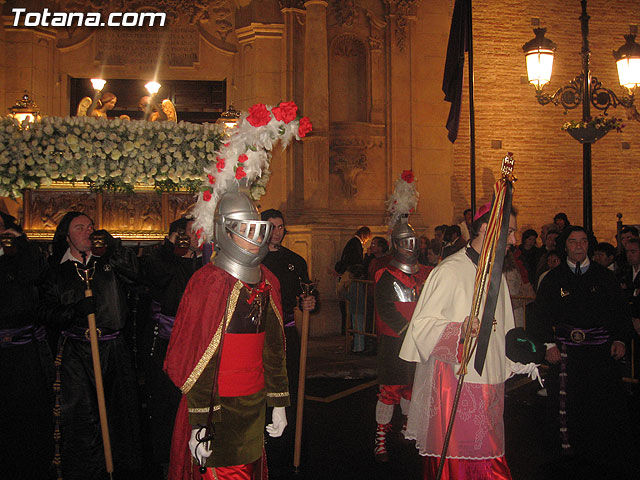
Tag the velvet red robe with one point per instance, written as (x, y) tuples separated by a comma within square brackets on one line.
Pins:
[(204, 298)]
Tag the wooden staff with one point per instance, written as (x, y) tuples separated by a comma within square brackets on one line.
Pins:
[(97, 371), (307, 289)]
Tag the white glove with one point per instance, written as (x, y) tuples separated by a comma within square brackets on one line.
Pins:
[(530, 369), (199, 450), (279, 421)]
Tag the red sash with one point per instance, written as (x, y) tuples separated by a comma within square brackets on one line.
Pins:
[(241, 371)]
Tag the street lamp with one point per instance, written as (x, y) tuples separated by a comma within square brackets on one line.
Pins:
[(584, 90)]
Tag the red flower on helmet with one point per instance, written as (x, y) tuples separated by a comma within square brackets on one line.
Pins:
[(259, 115), (305, 127), (206, 195), (220, 164), (407, 176), (243, 158), (211, 178), (285, 112), (240, 173)]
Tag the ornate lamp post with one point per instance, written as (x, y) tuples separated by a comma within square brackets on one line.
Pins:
[(584, 90)]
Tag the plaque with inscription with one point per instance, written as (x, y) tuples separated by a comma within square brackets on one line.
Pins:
[(176, 46)]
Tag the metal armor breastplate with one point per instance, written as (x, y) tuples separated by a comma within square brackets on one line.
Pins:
[(249, 318), (402, 293)]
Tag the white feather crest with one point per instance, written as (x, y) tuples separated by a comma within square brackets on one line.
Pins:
[(246, 156), (404, 198)]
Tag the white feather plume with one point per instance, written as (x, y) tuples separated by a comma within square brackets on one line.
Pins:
[(404, 198), (254, 142)]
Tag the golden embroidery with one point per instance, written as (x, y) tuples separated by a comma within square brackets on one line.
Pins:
[(203, 409), (277, 312), (277, 394), (563, 292), (215, 341)]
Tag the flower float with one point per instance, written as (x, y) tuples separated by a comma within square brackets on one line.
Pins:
[(107, 154)]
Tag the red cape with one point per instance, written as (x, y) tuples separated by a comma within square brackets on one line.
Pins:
[(204, 298)]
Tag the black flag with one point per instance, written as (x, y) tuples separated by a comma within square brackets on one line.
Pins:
[(454, 64)]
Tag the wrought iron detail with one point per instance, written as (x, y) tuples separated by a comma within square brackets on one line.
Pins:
[(570, 96)]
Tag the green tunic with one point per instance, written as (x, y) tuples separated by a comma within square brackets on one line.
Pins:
[(239, 421)]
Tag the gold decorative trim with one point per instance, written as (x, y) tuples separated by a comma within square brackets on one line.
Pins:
[(60, 185), (215, 341), (279, 317), (204, 409), (277, 394)]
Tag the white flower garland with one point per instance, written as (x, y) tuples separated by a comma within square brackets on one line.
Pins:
[(245, 157), (107, 153)]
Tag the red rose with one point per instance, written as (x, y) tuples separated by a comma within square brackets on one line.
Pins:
[(259, 115), (285, 112), (305, 127), (240, 173), (243, 158), (220, 164), (407, 176), (206, 195), (211, 178)]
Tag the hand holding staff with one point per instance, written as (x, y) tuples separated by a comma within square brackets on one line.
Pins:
[(307, 290), (86, 275)]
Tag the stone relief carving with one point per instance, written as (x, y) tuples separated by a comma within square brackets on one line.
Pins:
[(212, 17), (191, 11), (345, 12), (348, 166), (402, 10), (366, 142), (348, 46), (291, 4)]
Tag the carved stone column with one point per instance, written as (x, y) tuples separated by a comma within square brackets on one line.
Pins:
[(401, 15), (316, 107)]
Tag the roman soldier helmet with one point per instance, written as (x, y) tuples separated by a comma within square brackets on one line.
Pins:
[(236, 214), (405, 246), (403, 237)]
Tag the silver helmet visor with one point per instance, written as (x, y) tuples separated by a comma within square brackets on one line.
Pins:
[(407, 243), (255, 232)]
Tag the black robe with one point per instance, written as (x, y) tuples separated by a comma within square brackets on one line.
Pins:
[(166, 275), (26, 370), (81, 444), (597, 415)]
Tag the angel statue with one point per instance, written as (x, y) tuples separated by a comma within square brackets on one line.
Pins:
[(98, 108), (154, 112)]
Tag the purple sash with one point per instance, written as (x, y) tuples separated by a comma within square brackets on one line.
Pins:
[(569, 335), (10, 337), (164, 322), (82, 334)]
